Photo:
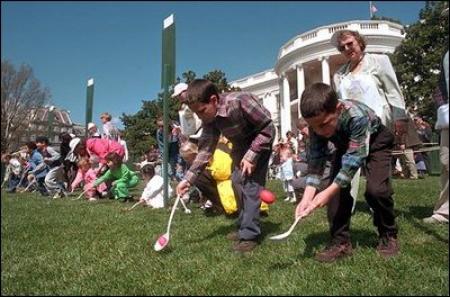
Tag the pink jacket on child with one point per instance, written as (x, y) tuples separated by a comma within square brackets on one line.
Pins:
[(89, 178), (102, 146)]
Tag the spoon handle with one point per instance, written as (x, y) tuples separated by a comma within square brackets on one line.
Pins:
[(174, 207)]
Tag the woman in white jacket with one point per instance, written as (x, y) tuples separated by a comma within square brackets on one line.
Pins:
[(370, 79)]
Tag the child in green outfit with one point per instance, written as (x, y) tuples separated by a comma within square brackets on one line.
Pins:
[(121, 176)]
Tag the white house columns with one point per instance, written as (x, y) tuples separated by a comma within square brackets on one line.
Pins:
[(300, 84), (285, 113), (325, 70)]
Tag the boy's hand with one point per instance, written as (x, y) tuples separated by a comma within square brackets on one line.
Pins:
[(247, 167), (183, 187), (308, 195), (304, 208)]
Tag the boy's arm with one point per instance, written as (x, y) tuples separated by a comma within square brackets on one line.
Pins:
[(318, 152), (206, 146), (53, 153), (260, 117), (103, 178), (357, 151)]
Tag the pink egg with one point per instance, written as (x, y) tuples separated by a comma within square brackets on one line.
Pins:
[(162, 240), (267, 196)]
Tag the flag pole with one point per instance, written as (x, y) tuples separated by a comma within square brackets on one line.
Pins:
[(370, 10)]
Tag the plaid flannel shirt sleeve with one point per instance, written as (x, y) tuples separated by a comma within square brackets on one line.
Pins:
[(357, 151), (206, 145), (317, 156), (260, 117)]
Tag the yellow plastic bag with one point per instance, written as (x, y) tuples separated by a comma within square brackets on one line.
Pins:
[(221, 165), (227, 197)]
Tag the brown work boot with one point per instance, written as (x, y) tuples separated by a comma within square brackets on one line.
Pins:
[(244, 246), (388, 246), (233, 236), (334, 251)]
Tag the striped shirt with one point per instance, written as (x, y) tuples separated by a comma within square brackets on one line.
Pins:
[(355, 125), (244, 121)]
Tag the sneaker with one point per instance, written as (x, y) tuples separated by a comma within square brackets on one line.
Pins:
[(293, 200), (57, 195), (92, 199), (334, 251), (388, 246), (104, 194), (433, 220), (287, 199), (233, 236), (243, 246)]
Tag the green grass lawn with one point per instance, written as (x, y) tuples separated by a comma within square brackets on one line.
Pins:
[(63, 247)]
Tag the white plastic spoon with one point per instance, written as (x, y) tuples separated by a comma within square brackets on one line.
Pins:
[(163, 240), (287, 233)]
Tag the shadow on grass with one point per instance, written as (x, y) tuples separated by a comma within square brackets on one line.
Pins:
[(415, 214), (267, 228), (315, 241)]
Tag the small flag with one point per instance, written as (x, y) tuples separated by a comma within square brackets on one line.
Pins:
[(373, 9)]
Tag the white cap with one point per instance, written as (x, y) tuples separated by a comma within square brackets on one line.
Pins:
[(178, 89), (73, 143), (91, 125)]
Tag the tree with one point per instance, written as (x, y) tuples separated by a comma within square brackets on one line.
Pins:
[(140, 128), (417, 59), (21, 92)]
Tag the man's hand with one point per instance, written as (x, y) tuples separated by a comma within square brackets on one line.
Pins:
[(183, 187), (247, 167)]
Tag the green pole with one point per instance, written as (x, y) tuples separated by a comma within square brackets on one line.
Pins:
[(89, 103), (165, 131), (167, 79)]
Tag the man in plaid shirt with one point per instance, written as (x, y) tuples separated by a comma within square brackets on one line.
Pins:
[(247, 124), (361, 140)]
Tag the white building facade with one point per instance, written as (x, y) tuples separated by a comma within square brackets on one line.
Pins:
[(309, 58)]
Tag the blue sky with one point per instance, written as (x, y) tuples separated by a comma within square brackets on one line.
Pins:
[(119, 43)]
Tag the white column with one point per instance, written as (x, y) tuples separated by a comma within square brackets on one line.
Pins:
[(285, 113), (325, 70), (300, 84)]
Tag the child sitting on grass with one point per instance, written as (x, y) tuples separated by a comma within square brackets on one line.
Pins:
[(13, 170), (153, 194), (121, 176), (88, 174)]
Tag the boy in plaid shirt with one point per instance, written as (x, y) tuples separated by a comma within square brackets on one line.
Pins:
[(247, 124), (361, 140)]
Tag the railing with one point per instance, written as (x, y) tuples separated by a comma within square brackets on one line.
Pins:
[(309, 35), (337, 28), (365, 26), (325, 32)]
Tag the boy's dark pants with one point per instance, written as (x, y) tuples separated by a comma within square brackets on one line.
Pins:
[(247, 193), (378, 190)]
